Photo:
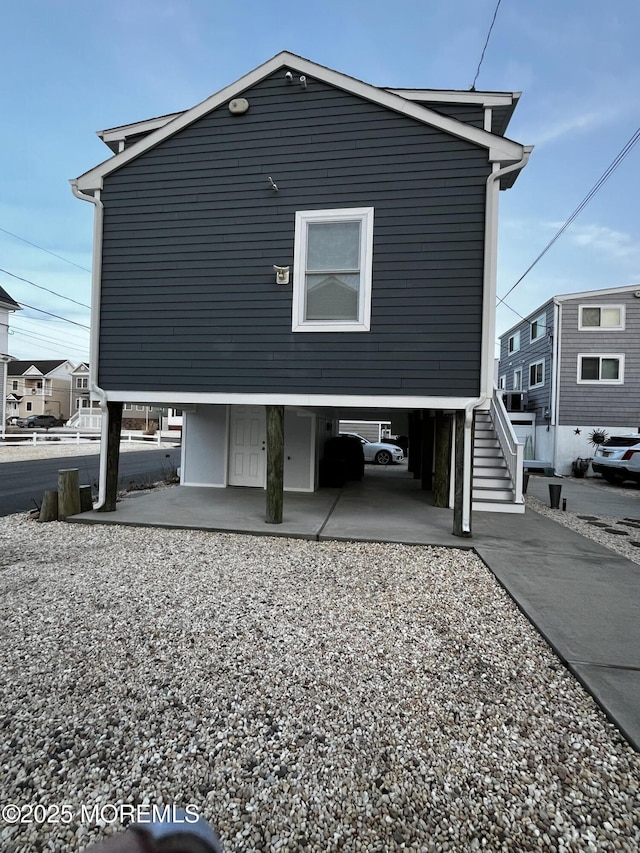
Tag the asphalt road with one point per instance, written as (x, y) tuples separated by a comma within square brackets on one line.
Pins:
[(22, 484)]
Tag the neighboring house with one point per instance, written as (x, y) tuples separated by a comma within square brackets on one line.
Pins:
[(7, 305), (576, 359), (86, 407), (306, 240), (39, 388)]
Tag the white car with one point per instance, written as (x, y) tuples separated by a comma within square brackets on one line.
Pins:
[(378, 451), (618, 459)]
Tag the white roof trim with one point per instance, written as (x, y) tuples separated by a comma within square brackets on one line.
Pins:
[(500, 149), (117, 134), (610, 291), (446, 96)]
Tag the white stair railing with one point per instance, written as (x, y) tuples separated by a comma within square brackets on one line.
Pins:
[(512, 449)]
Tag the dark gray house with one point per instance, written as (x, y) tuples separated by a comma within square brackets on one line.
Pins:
[(576, 359), (306, 240)]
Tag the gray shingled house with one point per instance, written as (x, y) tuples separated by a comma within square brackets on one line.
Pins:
[(576, 360), (306, 240)]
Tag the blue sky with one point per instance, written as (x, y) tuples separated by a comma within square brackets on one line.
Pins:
[(71, 67)]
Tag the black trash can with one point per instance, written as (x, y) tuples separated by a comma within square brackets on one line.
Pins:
[(554, 495)]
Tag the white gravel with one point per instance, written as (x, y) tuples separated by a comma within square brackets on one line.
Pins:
[(302, 696)]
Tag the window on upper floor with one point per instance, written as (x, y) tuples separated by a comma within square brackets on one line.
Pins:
[(502, 382), (82, 382), (604, 368), (128, 406), (29, 406), (517, 379), (536, 374), (332, 270), (609, 317), (14, 385), (513, 344), (538, 327)]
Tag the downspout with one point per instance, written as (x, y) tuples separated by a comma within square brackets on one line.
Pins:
[(94, 346), (555, 389), (488, 325)]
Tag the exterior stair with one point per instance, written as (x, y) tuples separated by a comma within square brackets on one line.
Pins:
[(493, 488)]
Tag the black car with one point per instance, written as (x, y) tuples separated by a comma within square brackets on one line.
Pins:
[(39, 421)]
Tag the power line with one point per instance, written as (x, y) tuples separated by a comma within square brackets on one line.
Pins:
[(57, 316), (473, 85), (42, 339), (40, 287), (585, 201), (35, 246), (74, 338)]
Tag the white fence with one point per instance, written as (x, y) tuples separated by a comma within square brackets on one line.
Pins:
[(22, 438)]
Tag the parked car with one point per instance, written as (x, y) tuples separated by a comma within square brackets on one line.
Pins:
[(378, 451), (618, 459), (39, 421)]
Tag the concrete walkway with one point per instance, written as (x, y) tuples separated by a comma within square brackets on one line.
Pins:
[(583, 598)]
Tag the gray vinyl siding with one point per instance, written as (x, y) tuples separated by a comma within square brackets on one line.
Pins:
[(600, 404), (530, 352), (192, 229)]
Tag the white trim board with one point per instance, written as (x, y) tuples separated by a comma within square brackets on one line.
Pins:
[(178, 399)]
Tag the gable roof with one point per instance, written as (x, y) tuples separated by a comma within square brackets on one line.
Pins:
[(500, 149), (19, 368), (7, 302)]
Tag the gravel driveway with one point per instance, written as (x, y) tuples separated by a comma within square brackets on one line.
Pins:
[(302, 696)]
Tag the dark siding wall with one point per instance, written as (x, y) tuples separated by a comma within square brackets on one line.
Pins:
[(472, 114), (530, 352), (192, 230)]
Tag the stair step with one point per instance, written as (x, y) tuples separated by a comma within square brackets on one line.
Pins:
[(487, 452), (488, 441), (491, 506), (487, 482), (499, 494)]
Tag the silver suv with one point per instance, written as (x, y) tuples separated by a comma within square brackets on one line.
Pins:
[(618, 459)]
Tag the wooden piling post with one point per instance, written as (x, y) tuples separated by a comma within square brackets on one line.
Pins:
[(441, 479), (86, 501), (275, 464), (49, 508), (68, 493), (114, 413)]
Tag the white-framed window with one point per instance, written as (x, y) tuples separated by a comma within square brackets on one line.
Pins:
[(601, 368), (517, 379), (14, 385), (128, 406), (538, 327), (139, 408), (82, 382), (29, 406), (513, 344), (609, 317), (502, 382), (536, 374), (332, 270)]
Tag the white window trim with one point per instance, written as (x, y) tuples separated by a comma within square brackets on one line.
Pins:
[(619, 328), (517, 387), (303, 217), (541, 322), (502, 382), (514, 337), (601, 355), (534, 364)]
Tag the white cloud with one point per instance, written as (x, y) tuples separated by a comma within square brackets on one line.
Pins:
[(616, 244)]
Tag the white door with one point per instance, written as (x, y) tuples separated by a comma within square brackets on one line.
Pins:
[(247, 446)]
